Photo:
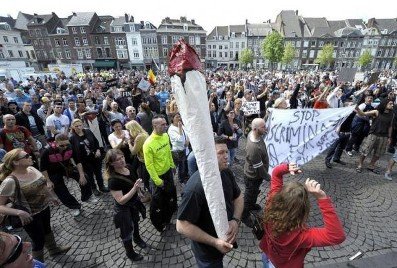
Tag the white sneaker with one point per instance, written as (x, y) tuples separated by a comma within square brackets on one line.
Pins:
[(92, 199), (76, 212), (388, 177)]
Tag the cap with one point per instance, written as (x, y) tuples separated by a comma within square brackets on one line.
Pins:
[(45, 99)]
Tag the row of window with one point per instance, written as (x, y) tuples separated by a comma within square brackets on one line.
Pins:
[(7, 40), (233, 35), (232, 45), (11, 54), (193, 40)]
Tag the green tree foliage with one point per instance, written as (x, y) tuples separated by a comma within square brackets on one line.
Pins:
[(289, 54), (273, 47), (326, 56), (365, 59), (246, 56)]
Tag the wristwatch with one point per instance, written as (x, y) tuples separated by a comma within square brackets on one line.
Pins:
[(237, 220)]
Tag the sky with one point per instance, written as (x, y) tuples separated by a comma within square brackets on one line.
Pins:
[(207, 13)]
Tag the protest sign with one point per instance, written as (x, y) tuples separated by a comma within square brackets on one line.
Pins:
[(251, 107), (347, 74), (359, 76), (300, 135), (144, 85)]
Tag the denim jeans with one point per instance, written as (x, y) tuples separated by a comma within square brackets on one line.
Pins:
[(209, 264), (266, 262), (191, 164), (232, 154)]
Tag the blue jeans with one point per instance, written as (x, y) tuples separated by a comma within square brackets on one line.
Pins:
[(266, 262), (209, 264), (232, 154), (191, 164)]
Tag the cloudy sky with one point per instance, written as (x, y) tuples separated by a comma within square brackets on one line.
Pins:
[(206, 13)]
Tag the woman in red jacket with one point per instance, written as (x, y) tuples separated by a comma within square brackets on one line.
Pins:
[(287, 238)]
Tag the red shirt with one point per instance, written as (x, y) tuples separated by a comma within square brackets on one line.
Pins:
[(320, 104), (289, 249), (16, 138)]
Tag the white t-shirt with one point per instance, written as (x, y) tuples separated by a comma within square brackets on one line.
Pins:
[(60, 123), (114, 141)]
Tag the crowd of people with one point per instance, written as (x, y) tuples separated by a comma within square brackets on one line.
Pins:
[(74, 127)]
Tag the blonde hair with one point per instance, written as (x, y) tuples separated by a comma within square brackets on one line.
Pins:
[(134, 128), (173, 107), (288, 209), (75, 121), (8, 163)]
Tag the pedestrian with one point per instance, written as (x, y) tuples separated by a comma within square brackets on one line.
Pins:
[(230, 129), (86, 149), (14, 253), (287, 239), (19, 180), (179, 146), (379, 135), (120, 138), (55, 163), (124, 186), (256, 168), (194, 219), (159, 164)]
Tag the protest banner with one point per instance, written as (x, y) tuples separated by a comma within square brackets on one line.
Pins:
[(360, 76), (251, 107), (144, 85), (300, 135), (347, 74)]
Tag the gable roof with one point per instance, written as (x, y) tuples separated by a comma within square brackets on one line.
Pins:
[(40, 19), (259, 29), (81, 19), (9, 20), (291, 24)]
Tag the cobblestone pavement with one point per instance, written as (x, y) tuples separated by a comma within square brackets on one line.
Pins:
[(365, 202)]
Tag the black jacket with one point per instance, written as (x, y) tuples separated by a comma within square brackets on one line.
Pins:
[(23, 120)]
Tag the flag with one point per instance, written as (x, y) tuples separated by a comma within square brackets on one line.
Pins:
[(151, 77)]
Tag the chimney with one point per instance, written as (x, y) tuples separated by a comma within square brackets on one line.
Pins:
[(132, 19), (74, 14), (193, 22), (296, 12), (35, 14), (126, 17)]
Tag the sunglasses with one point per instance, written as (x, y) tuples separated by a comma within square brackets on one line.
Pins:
[(26, 156), (16, 252)]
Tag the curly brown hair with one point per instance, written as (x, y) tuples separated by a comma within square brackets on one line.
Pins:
[(288, 209)]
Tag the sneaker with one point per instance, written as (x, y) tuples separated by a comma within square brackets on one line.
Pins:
[(388, 176), (349, 153), (76, 212), (92, 199)]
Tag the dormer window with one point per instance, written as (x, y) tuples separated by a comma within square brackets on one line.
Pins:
[(233, 34), (185, 27)]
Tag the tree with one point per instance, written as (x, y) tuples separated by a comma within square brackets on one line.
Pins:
[(246, 56), (273, 48), (365, 59), (326, 56), (395, 63), (289, 54)]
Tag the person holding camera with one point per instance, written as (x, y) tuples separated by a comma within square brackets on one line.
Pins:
[(287, 239), (124, 186)]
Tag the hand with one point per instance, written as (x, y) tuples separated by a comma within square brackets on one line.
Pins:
[(180, 124), (314, 188), (162, 184), (293, 168), (24, 217), (138, 184), (50, 185), (232, 231), (223, 246), (82, 180)]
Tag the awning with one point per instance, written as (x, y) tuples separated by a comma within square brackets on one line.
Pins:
[(105, 64)]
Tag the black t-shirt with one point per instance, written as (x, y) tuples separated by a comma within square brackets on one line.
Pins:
[(115, 183), (194, 209)]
